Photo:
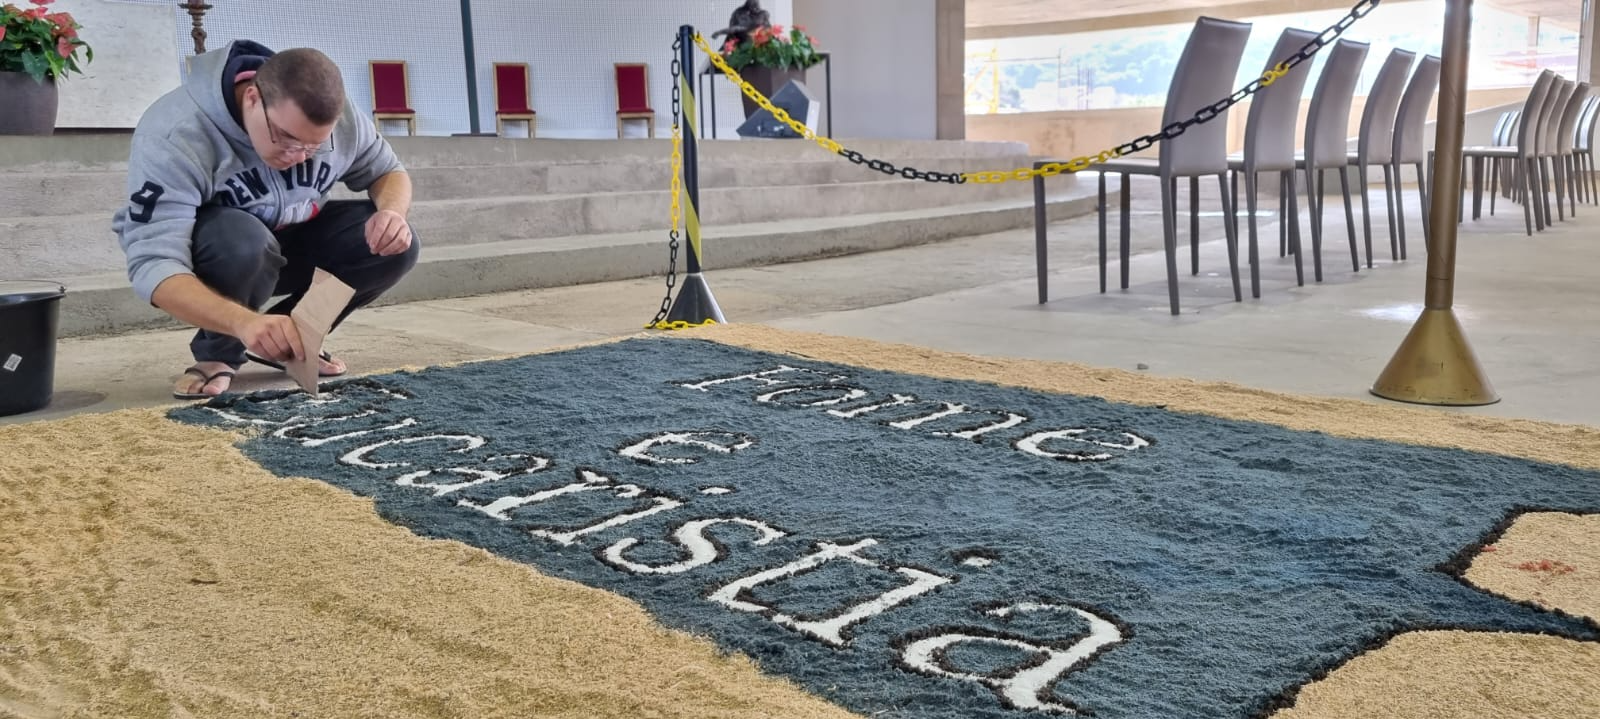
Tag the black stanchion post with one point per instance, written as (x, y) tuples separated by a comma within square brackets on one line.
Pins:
[(694, 304)]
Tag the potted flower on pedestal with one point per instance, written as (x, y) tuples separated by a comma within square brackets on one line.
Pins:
[(37, 49), (769, 58)]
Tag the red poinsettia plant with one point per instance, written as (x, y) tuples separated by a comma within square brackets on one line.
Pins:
[(770, 46), (41, 43)]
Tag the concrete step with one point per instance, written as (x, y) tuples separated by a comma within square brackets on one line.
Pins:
[(109, 152), (50, 192), (84, 244), (100, 303)]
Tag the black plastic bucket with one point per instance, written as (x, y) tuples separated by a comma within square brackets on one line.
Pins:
[(29, 316)]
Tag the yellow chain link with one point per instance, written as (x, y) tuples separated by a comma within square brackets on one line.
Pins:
[(750, 90), (1271, 76), (679, 325), (677, 176)]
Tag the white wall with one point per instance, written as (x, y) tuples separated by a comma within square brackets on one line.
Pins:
[(128, 73), (885, 80), (570, 48)]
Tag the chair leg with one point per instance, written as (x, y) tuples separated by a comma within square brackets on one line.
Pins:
[(1558, 173), (1284, 218), (1314, 203), (1350, 222), (1594, 182), (1250, 185), (1494, 182), (1388, 203), (1397, 204), (1544, 190), (1477, 188), (1581, 182), (1127, 231), (1581, 177), (1293, 193), (1586, 166), (1103, 211), (1366, 210), (1570, 172), (1540, 200), (1194, 225), (1231, 230), (1586, 176), (1523, 178), (1169, 236), (1233, 190)]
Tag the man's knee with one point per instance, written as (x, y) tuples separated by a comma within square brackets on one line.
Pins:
[(408, 259), (397, 266), (232, 246)]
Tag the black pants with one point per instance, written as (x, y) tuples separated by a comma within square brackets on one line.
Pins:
[(238, 256)]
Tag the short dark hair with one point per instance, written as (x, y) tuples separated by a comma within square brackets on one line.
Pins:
[(307, 78)]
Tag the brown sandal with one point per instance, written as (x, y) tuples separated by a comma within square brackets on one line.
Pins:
[(202, 375)]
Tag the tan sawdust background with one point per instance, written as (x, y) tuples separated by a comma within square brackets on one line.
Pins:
[(148, 569)]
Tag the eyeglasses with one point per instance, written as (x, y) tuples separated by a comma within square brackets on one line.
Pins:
[(309, 150)]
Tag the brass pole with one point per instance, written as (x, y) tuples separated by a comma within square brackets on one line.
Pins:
[(1435, 364), (197, 11)]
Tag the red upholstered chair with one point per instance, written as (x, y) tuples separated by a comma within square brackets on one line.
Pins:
[(391, 93), (512, 92), (633, 95)]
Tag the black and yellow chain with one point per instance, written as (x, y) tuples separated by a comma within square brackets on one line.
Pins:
[(1077, 164), (1049, 169), (660, 322)]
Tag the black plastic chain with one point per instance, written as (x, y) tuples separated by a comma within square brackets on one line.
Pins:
[(1210, 112), (672, 263), (909, 173)]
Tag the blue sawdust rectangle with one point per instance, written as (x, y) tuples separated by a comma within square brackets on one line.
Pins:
[(915, 547)]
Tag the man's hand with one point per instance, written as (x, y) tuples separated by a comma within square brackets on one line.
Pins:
[(388, 233), (274, 337)]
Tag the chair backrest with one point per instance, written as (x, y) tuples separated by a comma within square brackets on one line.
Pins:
[(1328, 124), (1206, 70), (1506, 128), (1376, 142), (1500, 125), (633, 87), (511, 88), (1555, 103), (1532, 108), (1274, 111), (1586, 128), (1411, 120), (390, 91), (1569, 119)]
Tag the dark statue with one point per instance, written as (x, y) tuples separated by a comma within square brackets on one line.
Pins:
[(744, 21)]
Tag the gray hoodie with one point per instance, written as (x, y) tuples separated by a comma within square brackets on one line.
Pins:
[(189, 151)]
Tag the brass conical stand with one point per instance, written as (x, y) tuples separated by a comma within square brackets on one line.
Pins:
[(1435, 363)]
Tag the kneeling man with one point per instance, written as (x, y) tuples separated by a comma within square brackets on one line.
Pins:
[(228, 206)]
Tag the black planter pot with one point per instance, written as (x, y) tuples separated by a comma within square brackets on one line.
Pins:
[(767, 81), (29, 107)]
